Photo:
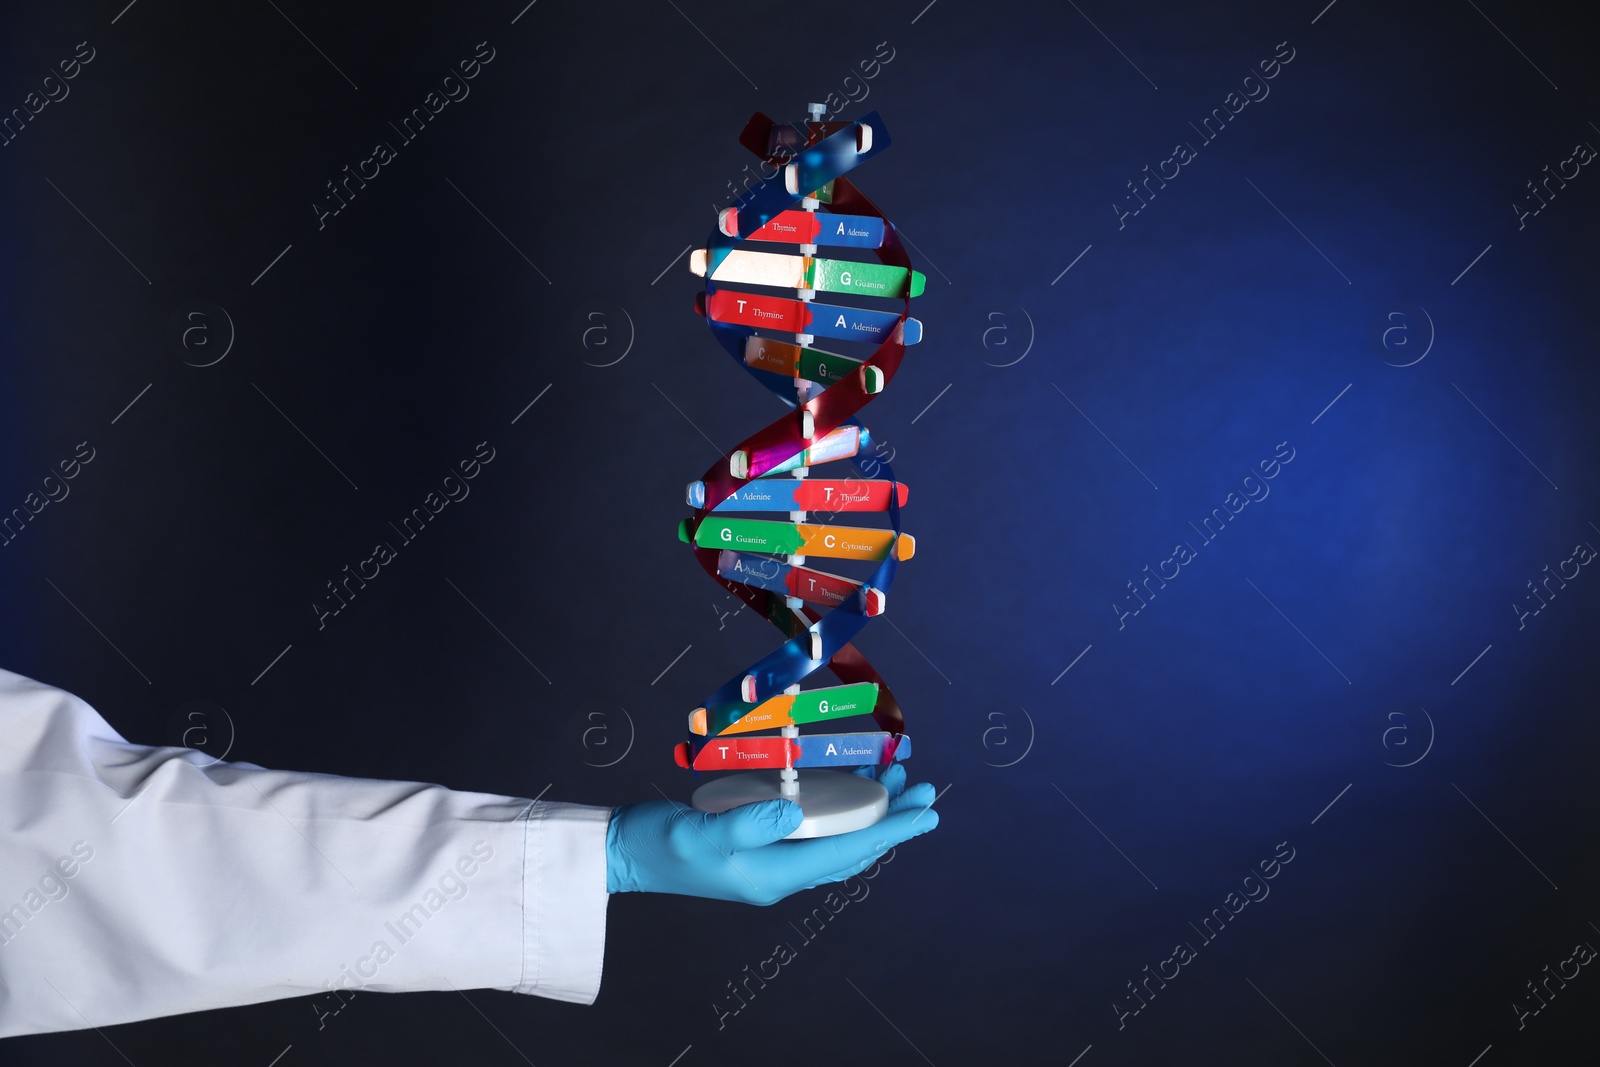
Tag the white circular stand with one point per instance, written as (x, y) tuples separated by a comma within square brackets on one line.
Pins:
[(834, 802)]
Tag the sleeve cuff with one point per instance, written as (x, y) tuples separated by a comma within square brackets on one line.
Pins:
[(564, 901)]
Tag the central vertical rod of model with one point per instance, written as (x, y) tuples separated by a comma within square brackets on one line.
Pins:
[(789, 778)]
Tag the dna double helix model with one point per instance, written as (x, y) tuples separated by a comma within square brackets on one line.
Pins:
[(762, 280)]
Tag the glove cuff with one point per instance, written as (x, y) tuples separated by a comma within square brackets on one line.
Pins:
[(619, 872)]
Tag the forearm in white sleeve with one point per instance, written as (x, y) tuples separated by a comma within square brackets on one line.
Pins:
[(138, 882)]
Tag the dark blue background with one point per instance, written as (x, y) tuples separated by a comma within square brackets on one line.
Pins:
[(1092, 814)]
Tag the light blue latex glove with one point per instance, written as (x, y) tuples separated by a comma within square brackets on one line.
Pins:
[(665, 846)]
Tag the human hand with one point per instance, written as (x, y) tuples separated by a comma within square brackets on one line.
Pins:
[(665, 846)]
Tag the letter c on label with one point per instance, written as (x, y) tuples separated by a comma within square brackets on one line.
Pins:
[(828, 540)]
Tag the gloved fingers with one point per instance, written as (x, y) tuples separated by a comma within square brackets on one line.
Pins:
[(915, 798), (832, 859), (854, 869), (893, 829), (849, 872), (752, 825), (893, 778)]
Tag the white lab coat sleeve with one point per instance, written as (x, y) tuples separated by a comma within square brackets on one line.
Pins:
[(138, 882)]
